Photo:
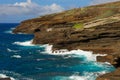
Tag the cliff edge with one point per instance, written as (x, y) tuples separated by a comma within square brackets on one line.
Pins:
[(93, 28)]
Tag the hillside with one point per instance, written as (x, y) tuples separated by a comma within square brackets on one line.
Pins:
[(93, 28), (70, 17)]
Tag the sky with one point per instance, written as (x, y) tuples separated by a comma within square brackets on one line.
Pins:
[(15, 11)]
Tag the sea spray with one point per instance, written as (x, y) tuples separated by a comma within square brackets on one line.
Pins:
[(75, 53), (16, 56), (50, 65), (4, 76), (10, 31), (88, 64), (26, 43), (10, 50)]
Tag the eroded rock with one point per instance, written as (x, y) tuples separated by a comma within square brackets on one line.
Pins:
[(100, 33)]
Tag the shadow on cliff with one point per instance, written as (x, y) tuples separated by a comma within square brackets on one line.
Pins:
[(117, 62)]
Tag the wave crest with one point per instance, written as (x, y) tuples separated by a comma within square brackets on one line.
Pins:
[(4, 76), (26, 43), (74, 53), (10, 50), (16, 56), (10, 31), (76, 76)]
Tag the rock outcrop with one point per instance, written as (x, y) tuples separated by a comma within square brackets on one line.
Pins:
[(111, 76), (5, 79), (93, 28)]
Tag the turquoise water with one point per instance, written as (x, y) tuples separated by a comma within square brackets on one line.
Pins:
[(23, 61)]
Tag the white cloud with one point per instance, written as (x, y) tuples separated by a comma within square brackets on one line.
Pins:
[(23, 4), (94, 2), (28, 8)]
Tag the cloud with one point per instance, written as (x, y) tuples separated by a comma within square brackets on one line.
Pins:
[(23, 4), (28, 8), (94, 2)]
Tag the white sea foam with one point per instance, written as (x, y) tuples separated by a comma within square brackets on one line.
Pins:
[(107, 63), (21, 33), (10, 31), (85, 76), (4, 76), (75, 77), (26, 43), (40, 59), (10, 50), (73, 53), (16, 56), (92, 75), (16, 76)]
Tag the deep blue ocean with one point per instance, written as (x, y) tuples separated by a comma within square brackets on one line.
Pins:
[(21, 60)]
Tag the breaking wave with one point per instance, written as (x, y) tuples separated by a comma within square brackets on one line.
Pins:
[(10, 31), (88, 55), (73, 53), (16, 56), (26, 43), (15, 76), (4, 76), (76, 76), (10, 50)]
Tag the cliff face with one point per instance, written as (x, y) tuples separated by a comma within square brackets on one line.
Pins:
[(94, 28), (69, 18)]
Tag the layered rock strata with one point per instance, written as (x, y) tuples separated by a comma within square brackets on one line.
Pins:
[(93, 28)]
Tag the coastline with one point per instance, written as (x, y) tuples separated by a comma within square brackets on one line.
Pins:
[(96, 32)]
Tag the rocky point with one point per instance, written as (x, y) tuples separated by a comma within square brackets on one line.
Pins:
[(93, 28)]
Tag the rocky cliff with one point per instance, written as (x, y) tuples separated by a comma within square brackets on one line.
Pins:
[(93, 28), (5, 79)]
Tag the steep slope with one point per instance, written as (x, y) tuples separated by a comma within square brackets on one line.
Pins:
[(70, 17), (95, 28)]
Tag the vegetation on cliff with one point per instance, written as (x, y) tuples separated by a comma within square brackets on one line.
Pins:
[(95, 28), (79, 26), (71, 17)]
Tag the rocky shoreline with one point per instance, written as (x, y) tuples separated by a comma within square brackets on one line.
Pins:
[(5, 79), (93, 28)]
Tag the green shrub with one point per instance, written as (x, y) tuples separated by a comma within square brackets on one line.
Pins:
[(78, 26)]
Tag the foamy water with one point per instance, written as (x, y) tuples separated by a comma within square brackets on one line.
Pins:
[(26, 43), (16, 56), (10, 31), (10, 50), (76, 76), (23, 60), (4, 76), (17, 76), (73, 53)]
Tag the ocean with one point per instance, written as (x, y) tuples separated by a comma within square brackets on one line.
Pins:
[(21, 60)]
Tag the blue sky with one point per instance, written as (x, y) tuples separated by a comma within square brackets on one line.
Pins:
[(64, 3), (14, 11)]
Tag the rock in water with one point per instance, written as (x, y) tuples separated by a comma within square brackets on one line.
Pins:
[(5, 79)]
